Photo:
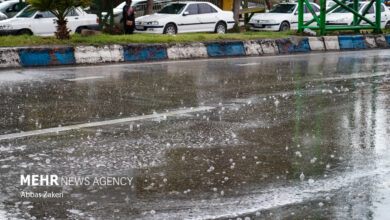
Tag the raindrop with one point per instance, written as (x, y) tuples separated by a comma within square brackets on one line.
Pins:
[(210, 169)]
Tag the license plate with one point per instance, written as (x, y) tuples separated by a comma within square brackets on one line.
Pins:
[(259, 25), (139, 27)]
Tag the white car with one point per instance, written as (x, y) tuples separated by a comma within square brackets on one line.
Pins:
[(341, 16), (29, 21), (182, 17), (282, 17), (8, 9)]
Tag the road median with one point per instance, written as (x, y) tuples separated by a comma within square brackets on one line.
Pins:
[(16, 57)]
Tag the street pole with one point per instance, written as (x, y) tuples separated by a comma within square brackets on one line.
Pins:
[(300, 16)]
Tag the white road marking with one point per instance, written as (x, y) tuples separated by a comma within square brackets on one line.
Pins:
[(101, 123), (247, 64), (85, 78)]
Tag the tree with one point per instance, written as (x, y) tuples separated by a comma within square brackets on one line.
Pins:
[(104, 9), (60, 9), (236, 14), (149, 7), (269, 4)]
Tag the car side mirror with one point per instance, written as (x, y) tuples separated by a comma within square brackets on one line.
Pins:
[(296, 13), (186, 13), (38, 16)]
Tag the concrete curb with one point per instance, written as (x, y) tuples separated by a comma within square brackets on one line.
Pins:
[(64, 55)]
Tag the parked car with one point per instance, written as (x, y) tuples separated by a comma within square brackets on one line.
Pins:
[(282, 17), (341, 16), (30, 21), (8, 9), (181, 17)]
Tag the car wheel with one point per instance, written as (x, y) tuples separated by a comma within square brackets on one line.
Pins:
[(220, 28), (170, 29), (285, 26), (24, 31), (387, 25), (79, 30)]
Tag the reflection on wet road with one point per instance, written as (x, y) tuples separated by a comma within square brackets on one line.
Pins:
[(289, 137)]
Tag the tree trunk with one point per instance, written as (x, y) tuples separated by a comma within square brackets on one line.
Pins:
[(62, 32), (236, 10), (269, 4), (149, 7)]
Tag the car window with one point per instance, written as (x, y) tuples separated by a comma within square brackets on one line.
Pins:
[(46, 14), (371, 10), (315, 8), (382, 8), (206, 8), (174, 8), (283, 8), (193, 9), (342, 10), (73, 13), (28, 13), (330, 4)]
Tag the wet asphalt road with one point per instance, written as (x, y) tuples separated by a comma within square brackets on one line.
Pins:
[(288, 137)]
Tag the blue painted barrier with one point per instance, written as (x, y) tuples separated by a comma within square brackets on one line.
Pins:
[(293, 45), (225, 49), (387, 40), (46, 57), (144, 52), (351, 42)]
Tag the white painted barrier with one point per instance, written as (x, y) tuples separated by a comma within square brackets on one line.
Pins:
[(104, 54), (187, 51), (331, 43), (9, 57), (253, 48), (269, 47), (316, 44)]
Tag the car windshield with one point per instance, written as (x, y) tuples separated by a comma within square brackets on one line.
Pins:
[(283, 8), (343, 10), (175, 8), (27, 13)]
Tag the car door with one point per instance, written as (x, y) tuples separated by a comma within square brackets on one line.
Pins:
[(370, 14), (307, 14), (43, 23), (190, 19), (208, 17), (74, 20), (384, 15)]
